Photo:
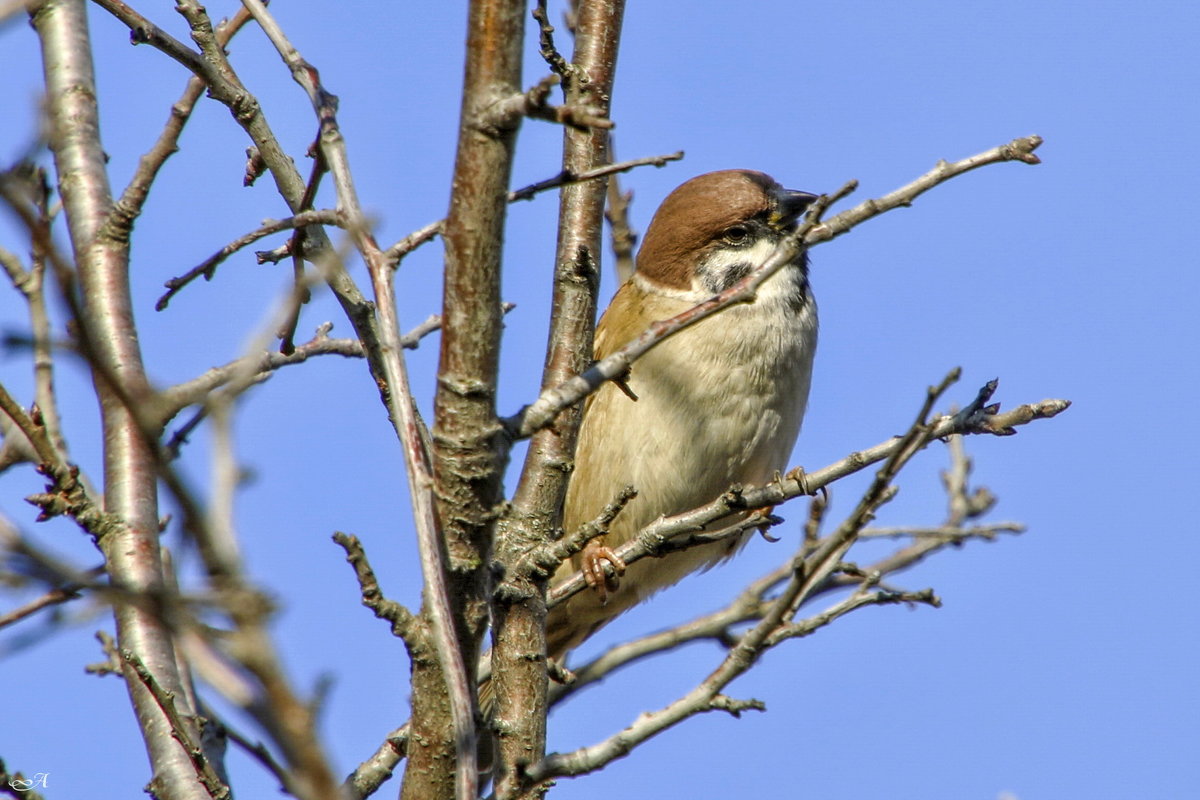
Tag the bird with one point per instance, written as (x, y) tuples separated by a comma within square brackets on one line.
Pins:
[(717, 404)]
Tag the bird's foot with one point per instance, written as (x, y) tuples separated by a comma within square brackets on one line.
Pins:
[(798, 475), (601, 579)]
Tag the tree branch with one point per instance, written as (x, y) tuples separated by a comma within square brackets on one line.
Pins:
[(650, 539), (216, 788), (621, 234), (401, 619), (808, 573), (70, 590), (129, 207), (468, 451), (131, 551), (225, 87), (564, 178), (811, 232), (519, 615), (570, 175), (751, 603), (207, 268), (388, 365), (371, 774)]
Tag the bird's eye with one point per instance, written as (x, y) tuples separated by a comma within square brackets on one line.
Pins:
[(736, 234)]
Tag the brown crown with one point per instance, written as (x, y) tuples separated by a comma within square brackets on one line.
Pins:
[(693, 216)]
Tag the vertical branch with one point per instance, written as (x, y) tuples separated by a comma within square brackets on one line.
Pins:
[(468, 450), (391, 373), (131, 550), (34, 289), (624, 239), (519, 624)]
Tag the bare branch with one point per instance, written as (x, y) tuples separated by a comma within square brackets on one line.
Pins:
[(207, 268), (468, 451), (371, 774), (964, 505), (1016, 150), (414, 240), (112, 665), (751, 604), (33, 433), (650, 539), (809, 234), (225, 87), (29, 182), (259, 367), (388, 365), (179, 731), (129, 206), (622, 235), (260, 753), (808, 573), (988, 532), (106, 321), (557, 63), (68, 591), (401, 619), (535, 103), (419, 237), (519, 626), (569, 176), (143, 31), (16, 272)]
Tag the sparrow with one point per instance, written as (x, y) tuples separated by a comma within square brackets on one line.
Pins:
[(717, 404)]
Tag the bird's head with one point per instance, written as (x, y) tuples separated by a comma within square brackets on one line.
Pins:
[(717, 227)]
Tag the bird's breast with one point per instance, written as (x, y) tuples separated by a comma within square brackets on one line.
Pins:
[(719, 403), (726, 397)]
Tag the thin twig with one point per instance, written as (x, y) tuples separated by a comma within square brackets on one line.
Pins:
[(262, 754), (399, 617), (422, 235), (809, 234), (569, 177), (260, 366), (947, 532), (207, 268), (795, 484), (621, 234), (179, 731), (71, 590), (397, 395), (127, 209), (807, 574), (557, 63), (535, 103), (750, 604), (143, 31)]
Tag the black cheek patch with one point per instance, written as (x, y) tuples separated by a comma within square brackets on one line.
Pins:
[(718, 279)]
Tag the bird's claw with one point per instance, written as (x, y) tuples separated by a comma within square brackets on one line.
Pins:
[(601, 580)]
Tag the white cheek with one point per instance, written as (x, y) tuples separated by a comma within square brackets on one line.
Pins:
[(721, 262)]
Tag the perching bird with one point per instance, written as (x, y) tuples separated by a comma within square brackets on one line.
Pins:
[(719, 403)]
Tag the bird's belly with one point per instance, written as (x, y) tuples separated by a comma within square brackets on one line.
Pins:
[(697, 427)]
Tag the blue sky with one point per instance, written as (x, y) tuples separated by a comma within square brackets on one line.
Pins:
[(1063, 663)]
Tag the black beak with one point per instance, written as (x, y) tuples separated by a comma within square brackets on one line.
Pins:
[(792, 204)]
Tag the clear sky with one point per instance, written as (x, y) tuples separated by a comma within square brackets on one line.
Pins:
[(1063, 664)]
